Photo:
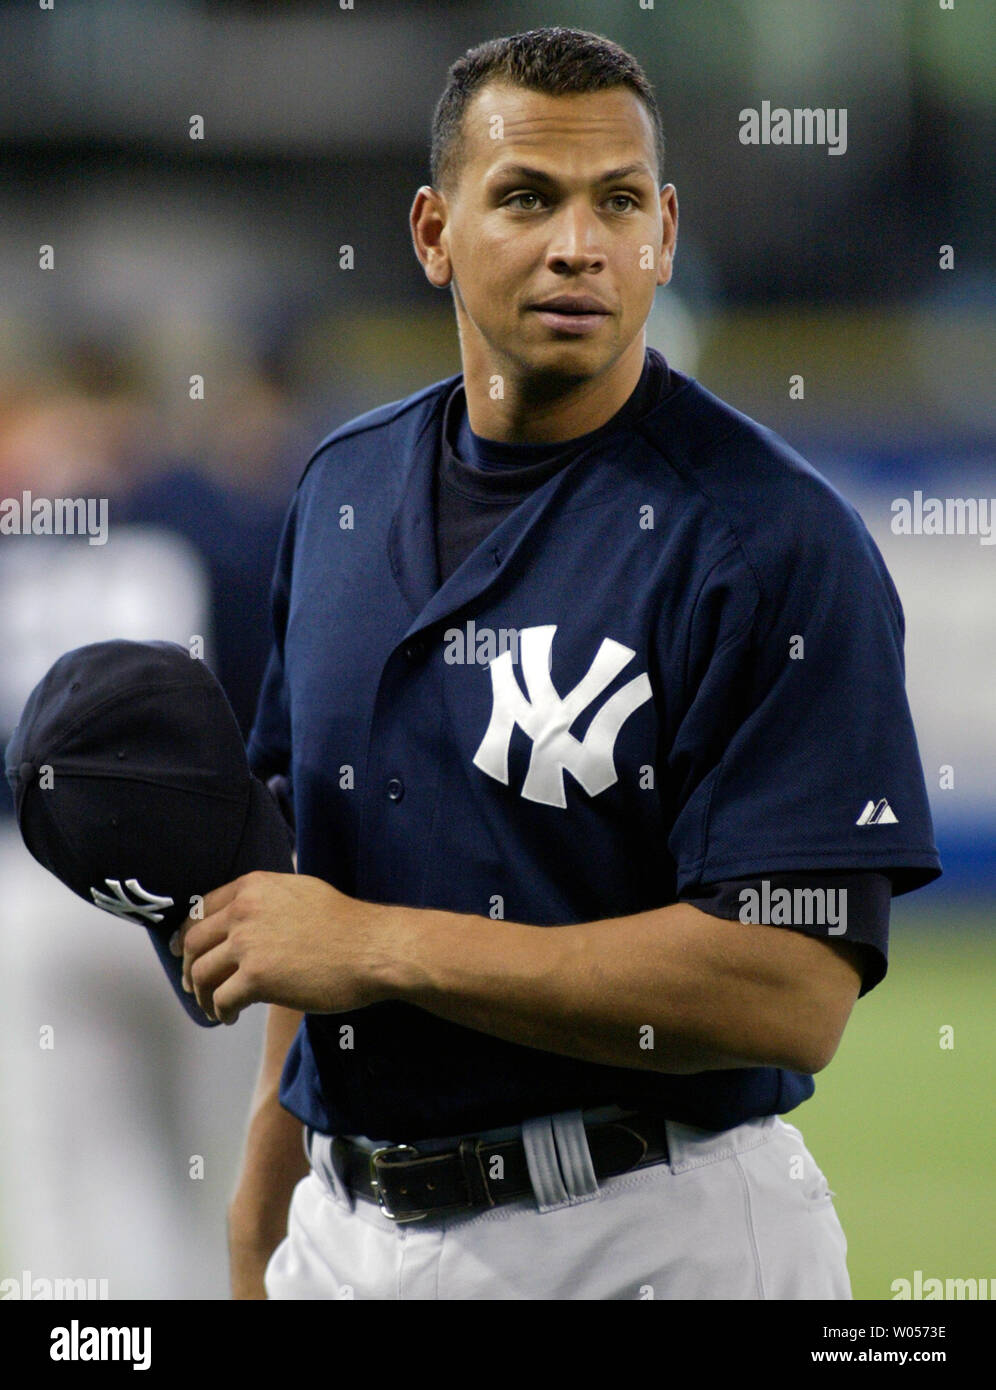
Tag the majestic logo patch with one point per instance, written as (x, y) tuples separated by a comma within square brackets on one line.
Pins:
[(880, 814), (546, 718), (122, 906)]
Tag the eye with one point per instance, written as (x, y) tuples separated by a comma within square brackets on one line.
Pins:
[(629, 201), (516, 196)]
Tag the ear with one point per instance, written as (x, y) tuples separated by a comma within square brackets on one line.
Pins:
[(669, 218), (428, 219)]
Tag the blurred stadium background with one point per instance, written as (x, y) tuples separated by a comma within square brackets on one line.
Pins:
[(221, 256)]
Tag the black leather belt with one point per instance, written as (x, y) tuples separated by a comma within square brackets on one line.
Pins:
[(408, 1186)]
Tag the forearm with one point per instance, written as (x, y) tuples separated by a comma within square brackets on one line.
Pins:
[(273, 1160), (671, 990)]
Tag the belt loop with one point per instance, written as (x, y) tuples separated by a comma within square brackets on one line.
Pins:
[(575, 1156), (335, 1172), (541, 1159), (473, 1171), (323, 1156), (559, 1160)]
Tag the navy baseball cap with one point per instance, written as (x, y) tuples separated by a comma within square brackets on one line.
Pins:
[(131, 785)]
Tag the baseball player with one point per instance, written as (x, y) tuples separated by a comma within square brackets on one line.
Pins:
[(587, 693)]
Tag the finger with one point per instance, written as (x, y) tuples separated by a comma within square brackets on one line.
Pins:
[(199, 939), (209, 906), (231, 998), (217, 899), (209, 972)]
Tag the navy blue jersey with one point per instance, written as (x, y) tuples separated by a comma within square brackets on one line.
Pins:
[(678, 663)]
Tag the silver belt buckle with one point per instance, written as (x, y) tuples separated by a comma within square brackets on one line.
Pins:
[(374, 1183)]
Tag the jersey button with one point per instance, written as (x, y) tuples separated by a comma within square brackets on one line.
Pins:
[(395, 789), (413, 650)]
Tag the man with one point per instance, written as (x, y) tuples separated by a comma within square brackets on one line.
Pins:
[(577, 672)]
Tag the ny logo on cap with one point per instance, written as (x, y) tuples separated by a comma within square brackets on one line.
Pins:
[(547, 719), (122, 906)]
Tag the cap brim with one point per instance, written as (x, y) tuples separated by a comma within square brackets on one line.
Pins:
[(266, 845)]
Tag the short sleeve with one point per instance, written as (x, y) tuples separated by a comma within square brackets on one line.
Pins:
[(269, 744), (794, 747), (832, 904)]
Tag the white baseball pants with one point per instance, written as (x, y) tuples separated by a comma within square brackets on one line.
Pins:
[(741, 1214)]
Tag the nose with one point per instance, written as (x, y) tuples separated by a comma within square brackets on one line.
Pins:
[(575, 239)]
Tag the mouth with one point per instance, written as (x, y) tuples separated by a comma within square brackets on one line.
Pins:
[(575, 315)]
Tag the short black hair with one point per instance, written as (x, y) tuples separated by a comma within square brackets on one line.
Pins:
[(555, 61)]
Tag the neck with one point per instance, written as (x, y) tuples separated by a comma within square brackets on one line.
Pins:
[(546, 410)]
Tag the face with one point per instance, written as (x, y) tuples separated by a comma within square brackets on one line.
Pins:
[(563, 203)]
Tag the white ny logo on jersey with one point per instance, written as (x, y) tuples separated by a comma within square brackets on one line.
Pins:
[(547, 719), (122, 906)]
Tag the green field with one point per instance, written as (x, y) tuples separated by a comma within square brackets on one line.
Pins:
[(904, 1129)]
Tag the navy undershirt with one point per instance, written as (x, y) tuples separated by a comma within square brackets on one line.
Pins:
[(480, 481)]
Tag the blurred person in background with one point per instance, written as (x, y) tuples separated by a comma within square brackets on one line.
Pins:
[(114, 1165)]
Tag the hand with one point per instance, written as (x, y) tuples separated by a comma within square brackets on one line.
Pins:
[(284, 939)]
